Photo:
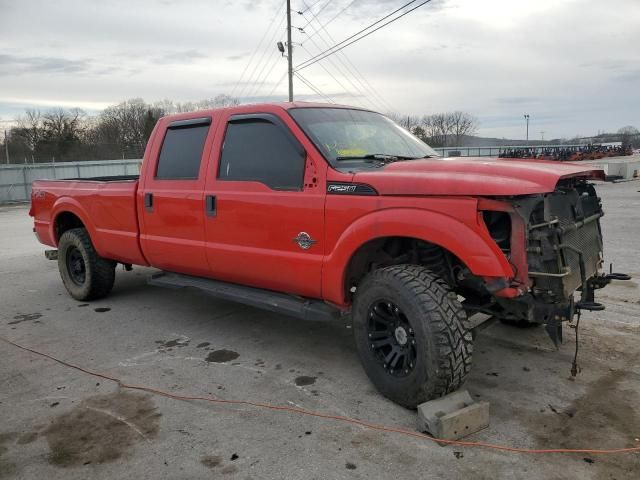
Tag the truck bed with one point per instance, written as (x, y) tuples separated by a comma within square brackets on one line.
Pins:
[(110, 178), (106, 206)]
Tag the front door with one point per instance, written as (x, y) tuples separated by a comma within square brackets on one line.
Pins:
[(265, 221)]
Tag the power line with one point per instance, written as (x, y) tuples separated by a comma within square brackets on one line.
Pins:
[(254, 53), (333, 18), (250, 82), (340, 45), (260, 77), (314, 14), (340, 72), (278, 83), (359, 76), (312, 87), (359, 32), (273, 65), (333, 76), (379, 101), (267, 49), (309, 7)]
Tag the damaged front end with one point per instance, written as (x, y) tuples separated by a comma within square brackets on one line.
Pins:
[(555, 250)]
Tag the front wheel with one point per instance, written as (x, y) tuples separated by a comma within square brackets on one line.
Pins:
[(85, 274), (410, 335)]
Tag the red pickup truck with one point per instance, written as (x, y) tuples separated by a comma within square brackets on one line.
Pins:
[(319, 211)]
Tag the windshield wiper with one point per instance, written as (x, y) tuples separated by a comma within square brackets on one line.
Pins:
[(383, 157)]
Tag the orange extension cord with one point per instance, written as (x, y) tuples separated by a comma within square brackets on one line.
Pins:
[(338, 418)]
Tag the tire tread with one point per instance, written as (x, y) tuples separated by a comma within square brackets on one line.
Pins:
[(102, 270), (453, 341)]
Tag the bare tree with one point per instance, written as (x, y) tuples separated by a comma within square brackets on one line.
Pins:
[(629, 136), (219, 101), (30, 128), (127, 124), (408, 122), (461, 124), (437, 129), (62, 125)]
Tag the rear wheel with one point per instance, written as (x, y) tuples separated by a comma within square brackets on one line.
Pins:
[(85, 274), (410, 335)]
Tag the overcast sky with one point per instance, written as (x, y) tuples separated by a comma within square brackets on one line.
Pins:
[(573, 65)]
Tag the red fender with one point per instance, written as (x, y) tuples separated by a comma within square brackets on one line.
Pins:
[(472, 244), (71, 205)]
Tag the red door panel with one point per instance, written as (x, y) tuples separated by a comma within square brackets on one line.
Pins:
[(172, 211), (251, 238)]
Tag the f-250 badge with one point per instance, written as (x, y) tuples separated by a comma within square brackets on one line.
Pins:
[(341, 188)]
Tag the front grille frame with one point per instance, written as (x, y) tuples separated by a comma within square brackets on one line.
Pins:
[(564, 240)]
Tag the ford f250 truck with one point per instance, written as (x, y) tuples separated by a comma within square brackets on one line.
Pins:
[(318, 211)]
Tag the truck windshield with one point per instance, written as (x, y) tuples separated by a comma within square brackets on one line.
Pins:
[(345, 136)]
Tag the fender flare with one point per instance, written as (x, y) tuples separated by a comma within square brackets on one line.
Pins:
[(71, 205), (472, 244)]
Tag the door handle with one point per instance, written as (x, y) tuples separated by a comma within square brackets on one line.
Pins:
[(148, 202), (210, 205)]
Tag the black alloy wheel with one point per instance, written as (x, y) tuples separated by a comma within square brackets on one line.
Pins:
[(392, 338), (76, 266)]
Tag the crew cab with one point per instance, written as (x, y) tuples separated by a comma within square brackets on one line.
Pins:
[(324, 211)]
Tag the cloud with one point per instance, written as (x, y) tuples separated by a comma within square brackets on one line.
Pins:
[(179, 57), (496, 59), (630, 76), (240, 56), (15, 65), (518, 100)]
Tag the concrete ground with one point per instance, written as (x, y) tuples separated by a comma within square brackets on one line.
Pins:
[(58, 423)]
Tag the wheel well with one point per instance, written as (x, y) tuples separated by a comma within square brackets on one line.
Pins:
[(386, 251), (66, 221)]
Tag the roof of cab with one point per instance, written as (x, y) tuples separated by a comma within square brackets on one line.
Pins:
[(254, 108)]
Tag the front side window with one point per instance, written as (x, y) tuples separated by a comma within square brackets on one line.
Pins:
[(258, 150), (346, 135), (181, 152)]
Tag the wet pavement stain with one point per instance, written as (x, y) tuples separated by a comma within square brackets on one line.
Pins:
[(304, 380), (26, 317), (176, 342), (221, 356), (26, 438), (102, 309), (211, 461), (101, 429), (607, 408), (7, 467)]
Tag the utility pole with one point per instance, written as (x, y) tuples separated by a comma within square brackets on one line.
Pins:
[(542, 135), (6, 145), (289, 51), (526, 117)]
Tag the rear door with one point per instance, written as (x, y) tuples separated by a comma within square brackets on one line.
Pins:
[(265, 191), (170, 199)]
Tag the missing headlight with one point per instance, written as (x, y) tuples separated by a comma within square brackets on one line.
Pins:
[(499, 226)]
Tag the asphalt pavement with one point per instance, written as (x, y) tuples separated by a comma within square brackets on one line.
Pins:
[(60, 423)]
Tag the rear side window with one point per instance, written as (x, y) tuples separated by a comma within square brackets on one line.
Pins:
[(181, 151), (261, 151)]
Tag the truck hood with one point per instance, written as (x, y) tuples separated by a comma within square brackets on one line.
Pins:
[(480, 176)]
